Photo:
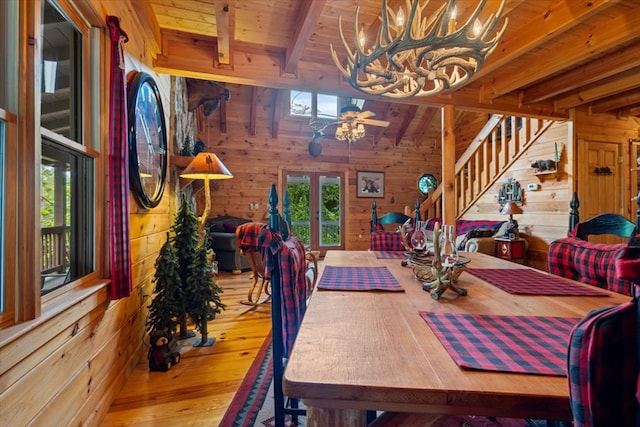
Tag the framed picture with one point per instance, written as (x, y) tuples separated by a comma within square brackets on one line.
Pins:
[(370, 184)]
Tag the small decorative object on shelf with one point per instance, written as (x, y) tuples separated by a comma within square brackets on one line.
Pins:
[(446, 267), (542, 167)]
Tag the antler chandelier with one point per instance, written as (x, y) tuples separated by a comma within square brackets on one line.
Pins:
[(422, 56)]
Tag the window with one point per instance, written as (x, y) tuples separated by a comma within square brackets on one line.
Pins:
[(308, 104), (50, 155), (66, 170)]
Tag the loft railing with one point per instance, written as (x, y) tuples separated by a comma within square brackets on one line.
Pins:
[(55, 242), (489, 155)]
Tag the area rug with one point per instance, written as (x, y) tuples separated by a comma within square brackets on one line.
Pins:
[(252, 405)]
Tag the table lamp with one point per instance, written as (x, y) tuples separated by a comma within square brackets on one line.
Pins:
[(511, 208), (206, 166)]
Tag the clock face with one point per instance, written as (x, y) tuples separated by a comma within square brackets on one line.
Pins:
[(147, 141), (427, 183)]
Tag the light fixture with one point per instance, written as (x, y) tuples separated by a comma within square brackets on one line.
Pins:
[(206, 166), (419, 55), (350, 129), (511, 208)]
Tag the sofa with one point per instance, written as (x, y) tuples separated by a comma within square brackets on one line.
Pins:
[(471, 236), (587, 262), (222, 240)]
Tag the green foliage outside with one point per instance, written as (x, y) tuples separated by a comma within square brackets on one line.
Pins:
[(299, 195)]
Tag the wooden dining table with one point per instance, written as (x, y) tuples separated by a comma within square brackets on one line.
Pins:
[(371, 350)]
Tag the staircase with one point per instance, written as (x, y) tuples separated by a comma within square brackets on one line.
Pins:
[(491, 153)]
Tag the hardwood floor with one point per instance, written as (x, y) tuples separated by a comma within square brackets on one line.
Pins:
[(198, 390)]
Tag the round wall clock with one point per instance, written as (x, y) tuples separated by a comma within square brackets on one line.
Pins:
[(147, 140), (427, 183)]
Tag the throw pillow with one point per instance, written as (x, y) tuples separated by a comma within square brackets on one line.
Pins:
[(229, 227), (472, 234)]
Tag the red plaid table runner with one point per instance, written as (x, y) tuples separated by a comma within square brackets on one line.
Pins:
[(520, 344), (391, 254), (358, 279), (530, 282)]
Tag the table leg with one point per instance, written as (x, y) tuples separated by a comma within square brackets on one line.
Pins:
[(321, 417)]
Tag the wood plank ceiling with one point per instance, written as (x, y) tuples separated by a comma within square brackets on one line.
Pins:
[(555, 55)]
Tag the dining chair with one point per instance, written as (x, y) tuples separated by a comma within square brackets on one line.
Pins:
[(247, 237), (606, 223), (603, 367), (286, 265)]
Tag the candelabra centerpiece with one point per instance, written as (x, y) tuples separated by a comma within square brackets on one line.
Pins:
[(447, 264)]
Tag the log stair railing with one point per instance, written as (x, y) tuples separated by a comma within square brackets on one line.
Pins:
[(484, 161)]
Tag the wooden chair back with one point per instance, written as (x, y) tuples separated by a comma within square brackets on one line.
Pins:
[(288, 299), (607, 223)]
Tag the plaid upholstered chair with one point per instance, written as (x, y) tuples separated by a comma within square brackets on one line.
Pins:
[(603, 367), (382, 239), (247, 237)]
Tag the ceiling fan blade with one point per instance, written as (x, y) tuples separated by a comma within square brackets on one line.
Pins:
[(374, 122), (366, 114)]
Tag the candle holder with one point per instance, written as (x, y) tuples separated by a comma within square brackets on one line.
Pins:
[(445, 268)]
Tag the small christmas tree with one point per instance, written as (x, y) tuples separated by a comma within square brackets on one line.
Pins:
[(166, 307), (185, 242), (203, 302)]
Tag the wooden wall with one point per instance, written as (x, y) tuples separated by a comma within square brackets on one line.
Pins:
[(257, 161), (66, 366)]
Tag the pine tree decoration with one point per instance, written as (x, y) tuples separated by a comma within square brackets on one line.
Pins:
[(204, 301), (185, 242), (166, 307)]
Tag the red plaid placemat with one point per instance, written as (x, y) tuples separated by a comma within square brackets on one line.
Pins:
[(525, 281), (521, 344), (358, 279), (391, 255)]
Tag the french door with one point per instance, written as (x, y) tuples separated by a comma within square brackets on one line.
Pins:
[(317, 208)]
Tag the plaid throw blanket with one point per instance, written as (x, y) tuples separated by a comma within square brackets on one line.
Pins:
[(587, 262), (289, 257)]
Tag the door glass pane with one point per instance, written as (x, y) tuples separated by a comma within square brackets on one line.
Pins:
[(299, 188), (330, 234)]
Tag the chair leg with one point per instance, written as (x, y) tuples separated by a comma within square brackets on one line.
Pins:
[(255, 302)]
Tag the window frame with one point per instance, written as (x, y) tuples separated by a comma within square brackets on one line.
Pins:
[(22, 275), (313, 114)]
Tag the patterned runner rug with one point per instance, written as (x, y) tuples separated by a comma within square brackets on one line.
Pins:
[(252, 406)]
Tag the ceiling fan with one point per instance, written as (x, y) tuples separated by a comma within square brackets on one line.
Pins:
[(351, 115), (350, 126)]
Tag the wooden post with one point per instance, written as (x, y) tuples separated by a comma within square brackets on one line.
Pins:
[(448, 166)]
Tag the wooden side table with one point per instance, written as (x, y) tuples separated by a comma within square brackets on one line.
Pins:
[(511, 249)]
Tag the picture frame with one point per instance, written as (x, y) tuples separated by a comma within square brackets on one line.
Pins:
[(370, 184)]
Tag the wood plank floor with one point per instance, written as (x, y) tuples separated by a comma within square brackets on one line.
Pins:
[(198, 390)]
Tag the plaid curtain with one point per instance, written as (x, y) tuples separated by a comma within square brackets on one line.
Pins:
[(119, 244)]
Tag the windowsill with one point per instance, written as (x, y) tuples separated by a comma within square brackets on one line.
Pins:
[(96, 289)]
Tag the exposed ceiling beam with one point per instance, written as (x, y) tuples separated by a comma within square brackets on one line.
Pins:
[(148, 24), (616, 102), (407, 118), (187, 56), (252, 111), (308, 15), (555, 20), (617, 84), (225, 24), (553, 62), (612, 64), (277, 113)]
